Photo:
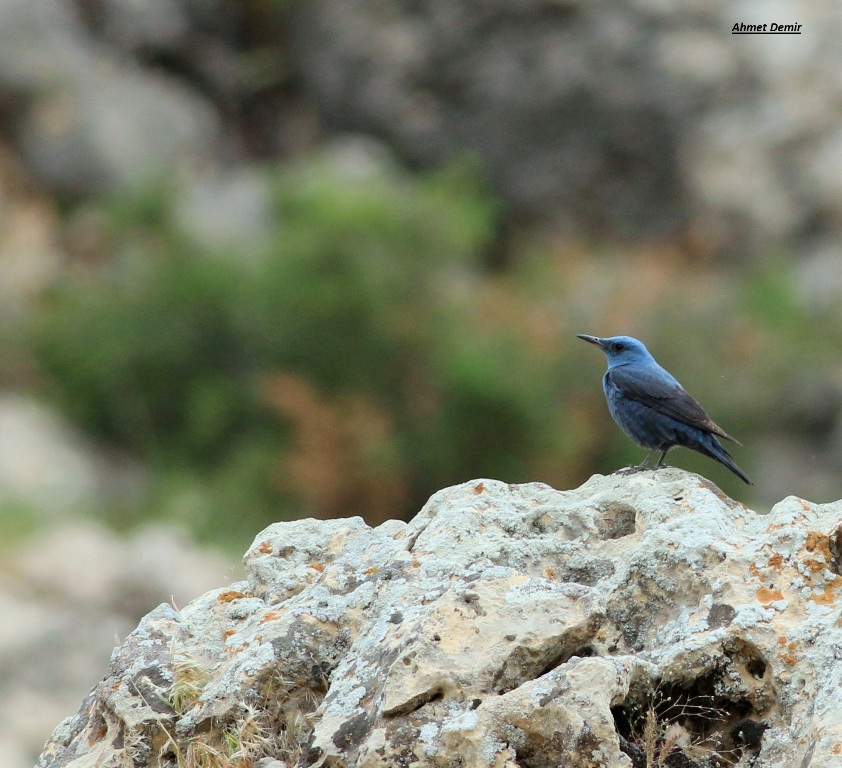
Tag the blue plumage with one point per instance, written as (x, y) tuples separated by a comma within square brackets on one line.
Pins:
[(653, 409)]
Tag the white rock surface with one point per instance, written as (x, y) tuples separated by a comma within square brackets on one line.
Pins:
[(503, 626)]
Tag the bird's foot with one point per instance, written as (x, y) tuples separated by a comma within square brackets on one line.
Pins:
[(633, 468), (630, 470)]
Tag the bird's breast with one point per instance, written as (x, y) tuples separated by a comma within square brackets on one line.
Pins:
[(640, 422)]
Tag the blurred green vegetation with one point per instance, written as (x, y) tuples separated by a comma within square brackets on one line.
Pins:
[(366, 357), (327, 375)]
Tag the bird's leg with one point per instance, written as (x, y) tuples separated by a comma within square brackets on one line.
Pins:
[(664, 451), (642, 465)]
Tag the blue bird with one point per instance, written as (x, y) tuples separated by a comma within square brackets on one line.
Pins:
[(653, 409)]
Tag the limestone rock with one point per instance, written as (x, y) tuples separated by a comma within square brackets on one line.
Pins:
[(642, 617)]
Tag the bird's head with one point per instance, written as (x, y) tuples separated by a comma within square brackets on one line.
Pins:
[(620, 350)]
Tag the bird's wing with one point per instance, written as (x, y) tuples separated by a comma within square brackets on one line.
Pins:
[(664, 395)]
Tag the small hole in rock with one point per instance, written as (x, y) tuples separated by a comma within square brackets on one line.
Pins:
[(835, 544), (539, 525), (748, 656), (748, 732), (756, 668), (616, 520)]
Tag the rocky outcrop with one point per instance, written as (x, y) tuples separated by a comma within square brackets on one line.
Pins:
[(641, 619)]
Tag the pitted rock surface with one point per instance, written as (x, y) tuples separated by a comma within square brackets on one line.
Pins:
[(505, 625)]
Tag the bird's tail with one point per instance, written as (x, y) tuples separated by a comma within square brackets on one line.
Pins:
[(713, 448)]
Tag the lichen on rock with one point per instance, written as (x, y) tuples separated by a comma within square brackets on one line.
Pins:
[(638, 620)]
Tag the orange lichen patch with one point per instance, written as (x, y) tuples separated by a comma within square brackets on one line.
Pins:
[(753, 570), (265, 548), (317, 567), (549, 572), (789, 657), (415, 563), (227, 633), (272, 616), (828, 596), (805, 505), (837, 749), (775, 560), (820, 544), (815, 565), (230, 596), (234, 650), (98, 734), (369, 571), (766, 595), (479, 487)]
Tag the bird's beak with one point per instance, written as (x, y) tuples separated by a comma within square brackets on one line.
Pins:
[(592, 339)]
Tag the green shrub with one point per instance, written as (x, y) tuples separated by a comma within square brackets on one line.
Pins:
[(194, 361)]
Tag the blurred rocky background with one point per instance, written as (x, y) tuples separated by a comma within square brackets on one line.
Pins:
[(272, 258)]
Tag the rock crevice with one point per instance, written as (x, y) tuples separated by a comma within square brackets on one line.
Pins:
[(637, 620)]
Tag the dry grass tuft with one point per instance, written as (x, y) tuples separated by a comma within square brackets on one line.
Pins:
[(669, 728)]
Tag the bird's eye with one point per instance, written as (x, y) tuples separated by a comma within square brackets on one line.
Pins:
[(618, 346)]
